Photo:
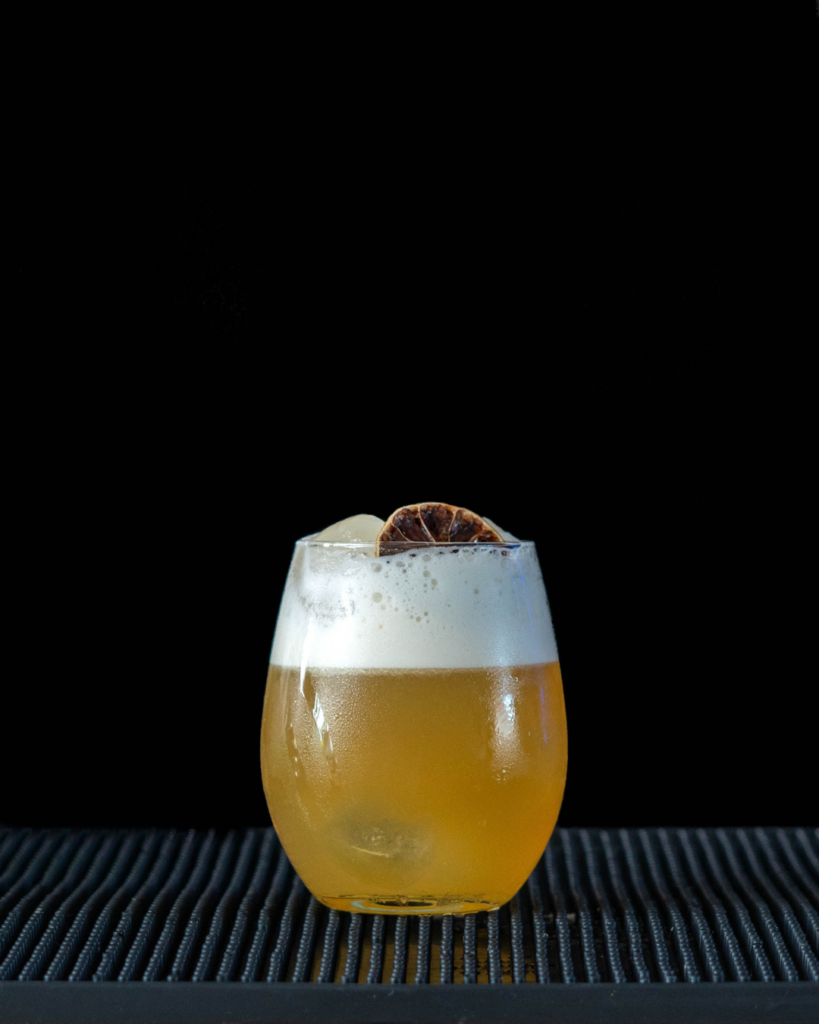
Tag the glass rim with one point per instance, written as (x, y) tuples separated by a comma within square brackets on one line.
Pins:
[(417, 545)]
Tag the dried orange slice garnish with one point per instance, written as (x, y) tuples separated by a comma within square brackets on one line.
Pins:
[(433, 522)]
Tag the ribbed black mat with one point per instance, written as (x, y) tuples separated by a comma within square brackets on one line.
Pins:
[(655, 925)]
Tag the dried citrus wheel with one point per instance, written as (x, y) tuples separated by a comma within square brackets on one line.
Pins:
[(432, 522)]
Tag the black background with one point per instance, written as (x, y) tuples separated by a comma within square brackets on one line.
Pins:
[(555, 317)]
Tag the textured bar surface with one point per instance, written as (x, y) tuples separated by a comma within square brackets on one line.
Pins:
[(715, 909)]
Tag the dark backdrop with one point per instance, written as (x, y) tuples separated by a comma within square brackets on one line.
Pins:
[(567, 339)]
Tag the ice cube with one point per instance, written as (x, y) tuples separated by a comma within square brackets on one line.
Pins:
[(355, 530), (383, 845), (504, 533)]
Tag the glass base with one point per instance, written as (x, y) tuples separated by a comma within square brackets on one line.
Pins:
[(406, 905)]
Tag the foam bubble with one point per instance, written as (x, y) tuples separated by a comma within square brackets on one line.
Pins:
[(446, 607)]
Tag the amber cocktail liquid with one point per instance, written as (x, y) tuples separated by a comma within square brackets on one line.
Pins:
[(414, 732)]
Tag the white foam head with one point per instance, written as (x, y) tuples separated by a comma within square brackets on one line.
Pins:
[(470, 606)]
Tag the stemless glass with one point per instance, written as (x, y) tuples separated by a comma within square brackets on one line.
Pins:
[(414, 731)]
